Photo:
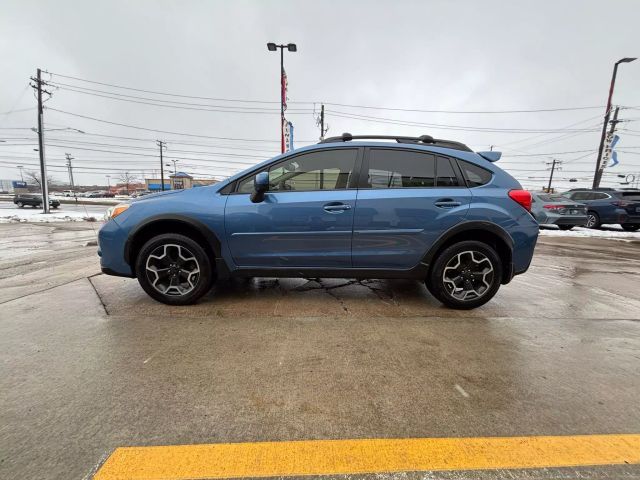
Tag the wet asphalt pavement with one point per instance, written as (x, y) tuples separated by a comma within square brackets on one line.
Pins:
[(90, 363)]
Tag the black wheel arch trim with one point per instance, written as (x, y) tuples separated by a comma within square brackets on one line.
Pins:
[(205, 231), (468, 226)]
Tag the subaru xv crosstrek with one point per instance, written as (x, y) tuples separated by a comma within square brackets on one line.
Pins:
[(349, 207)]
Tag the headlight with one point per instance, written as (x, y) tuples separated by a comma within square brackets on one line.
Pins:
[(113, 212)]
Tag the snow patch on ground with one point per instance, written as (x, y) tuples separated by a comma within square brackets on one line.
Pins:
[(35, 215), (614, 232)]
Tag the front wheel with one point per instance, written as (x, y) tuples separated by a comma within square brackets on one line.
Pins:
[(630, 227), (174, 269), (20, 204), (465, 275)]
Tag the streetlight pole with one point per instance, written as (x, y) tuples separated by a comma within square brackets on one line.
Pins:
[(272, 47), (108, 183), (20, 167), (175, 170), (597, 174)]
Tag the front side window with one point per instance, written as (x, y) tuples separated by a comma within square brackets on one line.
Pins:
[(323, 170), (391, 168)]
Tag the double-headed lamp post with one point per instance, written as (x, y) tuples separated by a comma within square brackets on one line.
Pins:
[(273, 47), (598, 173)]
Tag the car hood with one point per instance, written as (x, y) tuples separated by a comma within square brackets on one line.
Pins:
[(156, 195)]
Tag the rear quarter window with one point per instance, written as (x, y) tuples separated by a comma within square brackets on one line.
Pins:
[(474, 175)]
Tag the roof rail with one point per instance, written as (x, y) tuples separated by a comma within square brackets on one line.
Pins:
[(423, 139)]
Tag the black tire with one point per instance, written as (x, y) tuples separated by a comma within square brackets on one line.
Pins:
[(593, 220), (20, 204), (54, 206), (565, 227), (630, 227), (34, 206), (188, 248), (443, 291)]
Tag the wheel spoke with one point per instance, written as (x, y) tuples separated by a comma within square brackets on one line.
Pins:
[(172, 270), (468, 275)]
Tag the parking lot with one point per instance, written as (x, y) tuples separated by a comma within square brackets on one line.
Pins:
[(91, 364)]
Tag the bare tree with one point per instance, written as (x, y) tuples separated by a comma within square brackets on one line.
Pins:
[(35, 177), (127, 178)]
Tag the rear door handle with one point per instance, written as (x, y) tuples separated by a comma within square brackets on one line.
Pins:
[(447, 203), (336, 207)]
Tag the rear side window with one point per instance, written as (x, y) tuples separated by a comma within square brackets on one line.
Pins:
[(391, 168), (475, 175), (446, 175), (630, 195), (599, 196)]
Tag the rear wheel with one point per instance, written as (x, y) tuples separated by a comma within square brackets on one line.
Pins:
[(630, 227), (593, 220), (565, 227), (174, 269), (465, 275)]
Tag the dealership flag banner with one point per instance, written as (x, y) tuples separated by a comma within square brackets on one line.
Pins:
[(288, 135)]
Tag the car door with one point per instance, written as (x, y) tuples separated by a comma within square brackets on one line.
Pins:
[(407, 199), (306, 217)]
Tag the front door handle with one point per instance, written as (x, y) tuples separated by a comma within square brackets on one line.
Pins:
[(447, 203), (336, 207)]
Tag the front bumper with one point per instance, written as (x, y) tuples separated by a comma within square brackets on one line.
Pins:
[(111, 243)]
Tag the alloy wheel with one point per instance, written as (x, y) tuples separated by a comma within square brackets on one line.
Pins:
[(172, 270), (591, 220), (468, 275)]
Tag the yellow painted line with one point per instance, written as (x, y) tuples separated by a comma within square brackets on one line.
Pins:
[(334, 457)]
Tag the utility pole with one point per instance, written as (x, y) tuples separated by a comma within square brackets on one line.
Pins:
[(20, 167), (553, 168), (70, 169), (320, 123), (108, 183), (162, 145), (596, 177), (43, 166), (606, 153)]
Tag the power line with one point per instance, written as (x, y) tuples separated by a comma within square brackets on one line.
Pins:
[(245, 110), (163, 131), (335, 104), (468, 128)]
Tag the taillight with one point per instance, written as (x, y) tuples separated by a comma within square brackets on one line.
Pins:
[(553, 207), (622, 203), (522, 197)]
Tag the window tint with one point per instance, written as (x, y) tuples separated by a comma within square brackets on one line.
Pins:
[(552, 198), (599, 196), (580, 196), (474, 174), (324, 170), (630, 195), (246, 184), (446, 174), (400, 169)]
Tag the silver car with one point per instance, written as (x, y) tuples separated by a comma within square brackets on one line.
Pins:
[(554, 209)]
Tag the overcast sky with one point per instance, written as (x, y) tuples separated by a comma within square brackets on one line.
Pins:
[(425, 55)]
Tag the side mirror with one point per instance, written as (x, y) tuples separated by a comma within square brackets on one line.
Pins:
[(260, 186)]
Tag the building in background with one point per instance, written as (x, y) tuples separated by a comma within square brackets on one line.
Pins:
[(179, 181)]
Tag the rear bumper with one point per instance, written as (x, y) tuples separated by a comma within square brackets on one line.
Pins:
[(555, 219)]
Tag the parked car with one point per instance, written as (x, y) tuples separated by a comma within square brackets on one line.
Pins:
[(68, 193), (610, 206), (410, 207), (33, 200), (554, 209)]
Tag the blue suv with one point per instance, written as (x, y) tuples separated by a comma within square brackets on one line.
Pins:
[(348, 207)]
